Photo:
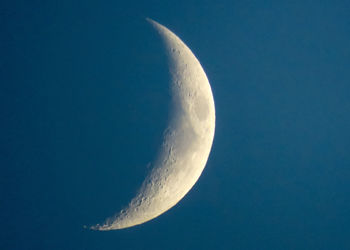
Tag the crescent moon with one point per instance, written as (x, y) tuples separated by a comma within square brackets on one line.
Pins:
[(187, 140)]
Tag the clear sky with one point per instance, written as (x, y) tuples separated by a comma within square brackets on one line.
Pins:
[(83, 104)]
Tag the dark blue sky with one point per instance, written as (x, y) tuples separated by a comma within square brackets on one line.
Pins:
[(83, 102)]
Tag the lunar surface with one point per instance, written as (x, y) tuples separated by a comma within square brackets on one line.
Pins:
[(187, 140)]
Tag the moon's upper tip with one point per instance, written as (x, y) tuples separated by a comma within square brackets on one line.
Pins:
[(150, 20)]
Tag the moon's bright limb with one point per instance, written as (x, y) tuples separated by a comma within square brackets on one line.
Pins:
[(186, 144)]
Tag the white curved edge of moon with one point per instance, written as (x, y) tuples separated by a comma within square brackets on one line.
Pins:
[(187, 139)]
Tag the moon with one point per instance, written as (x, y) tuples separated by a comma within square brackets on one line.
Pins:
[(186, 144)]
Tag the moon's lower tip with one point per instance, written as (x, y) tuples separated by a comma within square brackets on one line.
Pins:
[(98, 227), (93, 228)]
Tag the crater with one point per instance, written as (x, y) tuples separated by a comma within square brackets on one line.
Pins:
[(201, 108)]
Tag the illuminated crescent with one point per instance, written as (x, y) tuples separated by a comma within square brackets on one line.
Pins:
[(186, 143)]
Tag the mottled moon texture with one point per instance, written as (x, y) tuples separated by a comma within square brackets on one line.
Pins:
[(186, 143)]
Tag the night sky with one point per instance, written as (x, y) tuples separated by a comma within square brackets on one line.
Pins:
[(84, 97)]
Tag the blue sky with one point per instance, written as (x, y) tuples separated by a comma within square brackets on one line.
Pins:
[(84, 97)]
